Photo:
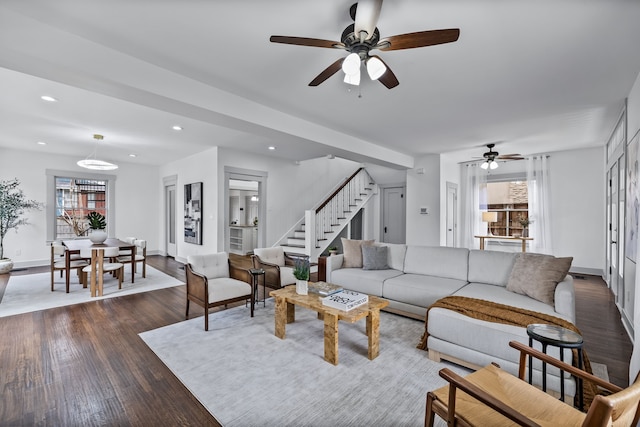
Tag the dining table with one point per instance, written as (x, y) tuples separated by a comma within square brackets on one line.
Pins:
[(75, 245)]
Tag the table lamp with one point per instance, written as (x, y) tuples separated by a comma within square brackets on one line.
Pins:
[(489, 217)]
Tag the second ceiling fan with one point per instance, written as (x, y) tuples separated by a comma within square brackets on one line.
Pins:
[(360, 38), (491, 156)]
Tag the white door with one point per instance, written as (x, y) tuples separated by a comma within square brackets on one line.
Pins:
[(452, 213), (170, 215), (393, 215)]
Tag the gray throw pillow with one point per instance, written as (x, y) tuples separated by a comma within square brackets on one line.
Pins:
[(353, 253), (374, 257), (537, 275)]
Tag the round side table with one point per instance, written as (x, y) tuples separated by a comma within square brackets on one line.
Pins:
[(559, 337), (255, 275)]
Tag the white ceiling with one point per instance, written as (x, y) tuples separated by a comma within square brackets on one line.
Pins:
[(532, 76)]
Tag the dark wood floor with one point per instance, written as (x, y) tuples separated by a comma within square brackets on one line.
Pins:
[(85, 364)]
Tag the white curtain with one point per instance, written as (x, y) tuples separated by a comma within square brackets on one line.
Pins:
[(474, 201), (539, 187)]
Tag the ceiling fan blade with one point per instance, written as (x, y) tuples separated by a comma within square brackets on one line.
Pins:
[(388, 78), (419, 39), (327, 72), (305, 41), (367, 14), (510, 157)]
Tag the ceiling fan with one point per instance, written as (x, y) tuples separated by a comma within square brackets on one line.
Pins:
[(360, 38), (491, 156)]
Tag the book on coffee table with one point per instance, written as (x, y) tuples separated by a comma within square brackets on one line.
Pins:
[(345, 300), (324, 288)]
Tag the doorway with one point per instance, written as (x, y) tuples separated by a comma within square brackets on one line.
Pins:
[(170, 215), (245, 193), (393, 215), (452, 214)]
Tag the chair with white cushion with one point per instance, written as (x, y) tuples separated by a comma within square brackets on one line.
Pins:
[(278, 266), (209, 283), (58, 259), (101, 263), (141, 256)]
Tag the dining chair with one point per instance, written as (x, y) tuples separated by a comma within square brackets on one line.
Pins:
[(126, 252), (58, 259), (99, 267), (493, 397), (141, 257)]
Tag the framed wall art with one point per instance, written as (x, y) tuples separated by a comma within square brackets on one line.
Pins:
[(193, 213)]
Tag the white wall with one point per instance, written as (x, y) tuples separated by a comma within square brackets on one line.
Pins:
[(201, 167), (578, 207), (633, 126), (423, 190), (577, 204), (135, 208)]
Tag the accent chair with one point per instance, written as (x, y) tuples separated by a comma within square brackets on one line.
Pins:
[(277, 264), (493, 397), (210, 283)]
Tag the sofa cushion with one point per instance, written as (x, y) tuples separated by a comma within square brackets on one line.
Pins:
[(450, 263), (374, 257), (365, 281), (537, 275), (418, 289), (395, 255), (353, 252), (492, 267)]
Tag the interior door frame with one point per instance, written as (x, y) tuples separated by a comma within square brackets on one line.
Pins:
[(451, 215), (403, 216), (247, 175), (168, 182)]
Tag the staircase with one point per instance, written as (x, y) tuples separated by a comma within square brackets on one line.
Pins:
[(313, 233)]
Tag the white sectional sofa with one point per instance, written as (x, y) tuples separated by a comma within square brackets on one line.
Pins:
[(417, 276)]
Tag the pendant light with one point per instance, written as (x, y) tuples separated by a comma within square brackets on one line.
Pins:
[(93, 163)]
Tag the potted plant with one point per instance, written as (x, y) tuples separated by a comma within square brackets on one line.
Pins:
[(525, 221), (97, 224), (13, 204), (301, 269), (333, 250)]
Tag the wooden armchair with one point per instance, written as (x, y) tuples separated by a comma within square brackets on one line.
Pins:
[(210, 283), (493, 397), (277, 264)]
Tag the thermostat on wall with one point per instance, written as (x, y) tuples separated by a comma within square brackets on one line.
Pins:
[(424, 211)]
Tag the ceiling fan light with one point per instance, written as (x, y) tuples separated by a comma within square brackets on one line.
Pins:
[(375, 68), (493, 165), (485, 165), (352, 79), (351, 64)]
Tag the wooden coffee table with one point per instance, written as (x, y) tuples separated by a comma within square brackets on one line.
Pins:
[(287, 298)]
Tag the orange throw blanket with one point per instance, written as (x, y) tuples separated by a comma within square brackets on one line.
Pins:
[(506, 314)]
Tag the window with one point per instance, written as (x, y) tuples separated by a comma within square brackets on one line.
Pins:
[(71, 196), (510, 200)]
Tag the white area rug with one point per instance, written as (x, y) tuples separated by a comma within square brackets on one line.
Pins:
[(246, 376), (32, 292)]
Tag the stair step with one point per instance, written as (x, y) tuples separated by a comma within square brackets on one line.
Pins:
[(347, 211), (299, 234), (342, 217)]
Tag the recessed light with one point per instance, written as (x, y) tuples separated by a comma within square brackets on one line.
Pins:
[(176, 127), (271, 147), (41, 143), (132, 155), (48, 98)]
